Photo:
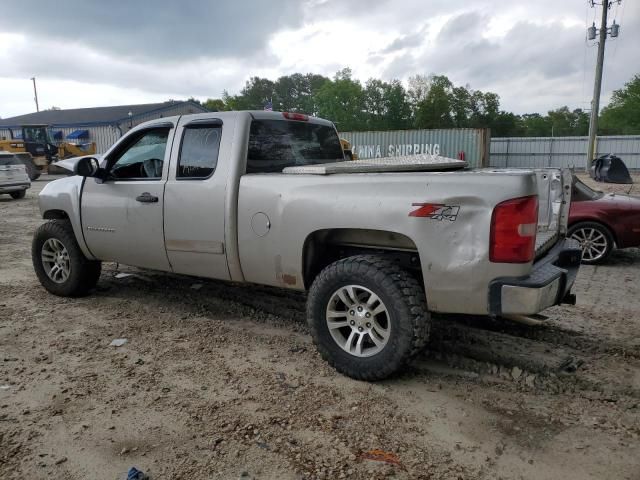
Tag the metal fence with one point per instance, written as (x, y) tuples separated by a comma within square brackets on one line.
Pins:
[(538, 152)]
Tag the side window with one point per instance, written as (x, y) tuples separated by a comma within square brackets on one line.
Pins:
[(142, 157), (199, 151)]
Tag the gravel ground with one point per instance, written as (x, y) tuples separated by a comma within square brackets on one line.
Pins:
[(222, 381)]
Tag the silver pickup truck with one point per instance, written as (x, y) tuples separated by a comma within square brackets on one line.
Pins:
[(268, 198)]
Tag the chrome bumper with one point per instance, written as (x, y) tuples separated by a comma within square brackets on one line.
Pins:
[(549, 284)]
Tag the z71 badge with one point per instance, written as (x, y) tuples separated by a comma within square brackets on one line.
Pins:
[(437, 211)]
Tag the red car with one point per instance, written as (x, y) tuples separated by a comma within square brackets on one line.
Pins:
[(601, 221)]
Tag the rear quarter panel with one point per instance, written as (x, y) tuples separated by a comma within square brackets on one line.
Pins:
[(453, 252)]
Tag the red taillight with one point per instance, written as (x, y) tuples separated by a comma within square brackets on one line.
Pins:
[(513, 230), (295, 116)]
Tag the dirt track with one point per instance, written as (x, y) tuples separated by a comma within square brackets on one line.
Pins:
[(221, 381)]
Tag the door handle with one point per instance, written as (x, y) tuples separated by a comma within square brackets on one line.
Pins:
[(146, 197)]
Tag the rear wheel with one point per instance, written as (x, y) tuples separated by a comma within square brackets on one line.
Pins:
[(367, 316), (18, 194), (595, 240), (59, 263)]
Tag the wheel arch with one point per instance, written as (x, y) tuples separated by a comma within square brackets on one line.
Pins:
[(323, 247), (55, 214), (60, 200)]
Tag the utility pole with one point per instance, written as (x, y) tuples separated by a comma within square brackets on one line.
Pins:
[(35, 93), (597, 84)]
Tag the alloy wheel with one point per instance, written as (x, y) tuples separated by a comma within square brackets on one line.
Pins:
[(593, 243), (55, 260), (358, 320)]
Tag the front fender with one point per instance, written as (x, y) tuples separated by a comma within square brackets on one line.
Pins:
[(61, 198)]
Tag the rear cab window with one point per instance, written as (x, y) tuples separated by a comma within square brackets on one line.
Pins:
[(277, 144)]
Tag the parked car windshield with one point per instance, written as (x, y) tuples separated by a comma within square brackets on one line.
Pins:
[(276, 144), (582, 192)]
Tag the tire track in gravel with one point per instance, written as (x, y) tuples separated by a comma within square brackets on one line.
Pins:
[(560, 358)]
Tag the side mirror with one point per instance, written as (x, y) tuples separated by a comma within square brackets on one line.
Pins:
[(87, 167)]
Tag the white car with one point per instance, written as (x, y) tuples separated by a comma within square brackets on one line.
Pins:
[(14, 179)]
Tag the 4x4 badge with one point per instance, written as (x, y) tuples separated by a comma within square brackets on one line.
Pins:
[(436, 211)]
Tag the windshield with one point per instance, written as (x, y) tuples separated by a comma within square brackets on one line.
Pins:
[(582, 192), (36, 135), (276, 144)]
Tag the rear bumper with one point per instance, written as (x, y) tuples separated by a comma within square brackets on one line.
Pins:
[(13, 187), (549, 284)]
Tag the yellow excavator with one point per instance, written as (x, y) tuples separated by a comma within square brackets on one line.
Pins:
[(348, 151), (35, 148)]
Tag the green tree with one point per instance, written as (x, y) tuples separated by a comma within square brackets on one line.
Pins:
[(255, 94), (295, 93), (565, 122), (461, 107), (398, 109), (386, 106), (434, 111), (485, 108), (215, 105), (622, 115), (342, 101), (507, 124), (535, 125)]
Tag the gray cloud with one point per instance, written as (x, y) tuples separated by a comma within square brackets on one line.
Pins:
[(406, 41), (200, 47), (534, 66), (158, 29), (466, 26)]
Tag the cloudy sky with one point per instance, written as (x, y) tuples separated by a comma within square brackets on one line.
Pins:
[(91, 52)]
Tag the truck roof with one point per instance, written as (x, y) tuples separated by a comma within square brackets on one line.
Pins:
[(257, 114)]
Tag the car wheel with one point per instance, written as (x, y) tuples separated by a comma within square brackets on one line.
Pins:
[(595, 240), (18, 194), (367, 316), (59, 263)]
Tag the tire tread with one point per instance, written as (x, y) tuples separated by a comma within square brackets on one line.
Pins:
[(391, 276), (84, 273)]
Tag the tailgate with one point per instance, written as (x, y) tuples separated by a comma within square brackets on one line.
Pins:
[(10, 172), (554, 197)]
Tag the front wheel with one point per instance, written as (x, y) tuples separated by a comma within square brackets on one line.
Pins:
[(595, 240), (59, 263), (367, 316)]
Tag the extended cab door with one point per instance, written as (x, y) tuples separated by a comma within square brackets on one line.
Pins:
[(195, 198), (122, 216)]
